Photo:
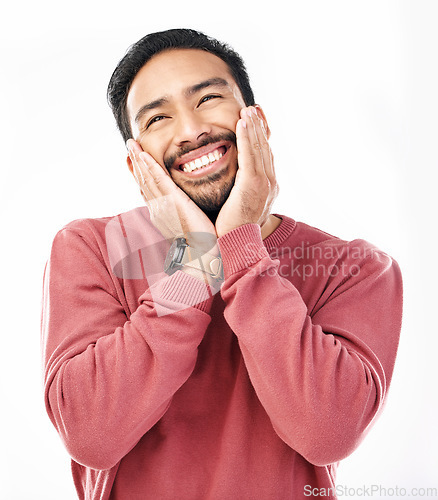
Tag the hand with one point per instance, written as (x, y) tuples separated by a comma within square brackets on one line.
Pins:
[(255, 187), (172, 212)]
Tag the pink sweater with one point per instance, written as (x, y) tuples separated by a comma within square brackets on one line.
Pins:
[(160, 391)]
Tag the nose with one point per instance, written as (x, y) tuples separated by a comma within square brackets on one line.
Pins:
[(190, 128)]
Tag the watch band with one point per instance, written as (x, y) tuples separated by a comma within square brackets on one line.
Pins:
[(205, 262)]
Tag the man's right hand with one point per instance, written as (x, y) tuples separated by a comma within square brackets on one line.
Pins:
[(172, 212)]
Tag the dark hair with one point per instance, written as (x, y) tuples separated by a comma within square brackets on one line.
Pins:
[(139, 54)]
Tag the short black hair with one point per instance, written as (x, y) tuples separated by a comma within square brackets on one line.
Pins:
[(140, 52)]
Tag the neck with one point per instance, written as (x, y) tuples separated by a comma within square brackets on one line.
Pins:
[(267, 228), (271, 224), (212, 215)]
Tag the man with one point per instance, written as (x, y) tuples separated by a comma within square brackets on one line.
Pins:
[(202, 347)]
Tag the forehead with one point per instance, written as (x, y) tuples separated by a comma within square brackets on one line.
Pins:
[(170, 72)]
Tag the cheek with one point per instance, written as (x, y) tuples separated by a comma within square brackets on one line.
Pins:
[(224, 112), (155, 147), (225, 118)]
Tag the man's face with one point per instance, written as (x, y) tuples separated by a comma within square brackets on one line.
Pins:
[(183, 107)]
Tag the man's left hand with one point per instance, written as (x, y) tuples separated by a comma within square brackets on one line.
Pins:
[(255, 186)]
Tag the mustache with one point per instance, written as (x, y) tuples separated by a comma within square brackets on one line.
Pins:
[(229, 136)]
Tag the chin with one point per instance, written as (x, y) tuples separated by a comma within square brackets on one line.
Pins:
[(210, 193), (212, 200)]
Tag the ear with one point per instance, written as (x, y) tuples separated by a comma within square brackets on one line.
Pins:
[(130, 165), (131, 145), (262, 116)]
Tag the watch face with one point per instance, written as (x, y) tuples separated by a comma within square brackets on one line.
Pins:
[(175, 255)]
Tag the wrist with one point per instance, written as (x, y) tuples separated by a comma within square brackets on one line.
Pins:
[(203, 243), (242, 248), (205, 278), (203, 265)]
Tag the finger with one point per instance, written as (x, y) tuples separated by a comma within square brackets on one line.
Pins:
[(265, 129), (247, 156), (149, 197), (171, 200), (133, 148), (270, 169), (140, 173), (136, 171), (267, 151), (149, 190), (140, 170), (161, 183), (155, 177), (259, 140), (255, 138)]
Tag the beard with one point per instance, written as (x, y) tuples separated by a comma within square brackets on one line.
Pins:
[(211, 201), (211, 191)]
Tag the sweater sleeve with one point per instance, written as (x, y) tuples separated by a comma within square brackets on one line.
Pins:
[(322, 374), (108, 377)]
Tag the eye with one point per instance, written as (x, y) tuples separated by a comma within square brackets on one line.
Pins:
[(155, 119), (209, 97)]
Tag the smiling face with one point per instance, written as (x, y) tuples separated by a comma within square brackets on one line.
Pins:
[(183, 107)]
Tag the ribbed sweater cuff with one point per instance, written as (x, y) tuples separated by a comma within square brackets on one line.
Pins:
[(184, 289), (241, 248)]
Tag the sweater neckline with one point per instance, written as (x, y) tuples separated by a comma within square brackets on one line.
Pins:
[(283, 231)]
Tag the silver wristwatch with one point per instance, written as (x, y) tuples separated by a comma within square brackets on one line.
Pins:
[(182, 255)]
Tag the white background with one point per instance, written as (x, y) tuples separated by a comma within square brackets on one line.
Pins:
[(350, 91)]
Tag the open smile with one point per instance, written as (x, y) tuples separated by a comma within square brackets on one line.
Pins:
[(203, 160)]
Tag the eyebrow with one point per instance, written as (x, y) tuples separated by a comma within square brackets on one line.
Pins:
[(189, 91), (211, 82)]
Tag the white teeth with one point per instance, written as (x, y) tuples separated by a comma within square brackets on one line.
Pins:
[(203, 161)]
